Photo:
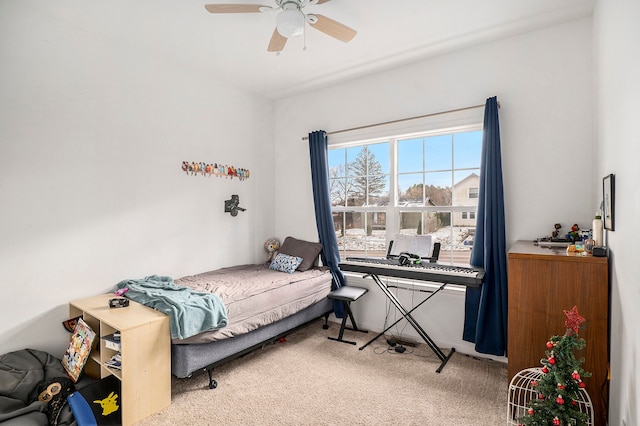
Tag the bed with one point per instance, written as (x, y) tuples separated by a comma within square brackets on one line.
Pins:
[(263, 303)]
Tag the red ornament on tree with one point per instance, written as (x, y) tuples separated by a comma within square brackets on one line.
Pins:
[(530, 411), (556, 421), (559, 400), (549, 345), (551, 360), (575, 375), (560, 386), (545, 370)]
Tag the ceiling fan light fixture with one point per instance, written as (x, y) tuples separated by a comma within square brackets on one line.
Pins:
[(290, 22)]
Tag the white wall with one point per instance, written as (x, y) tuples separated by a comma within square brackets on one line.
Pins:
[(92, 136), (618, 149), (544, 83)]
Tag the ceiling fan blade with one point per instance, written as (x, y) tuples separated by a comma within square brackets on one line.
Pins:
[(330, 27), (277, 42), (235, 8)]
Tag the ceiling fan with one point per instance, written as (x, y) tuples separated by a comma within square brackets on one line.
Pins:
[(291, 20)]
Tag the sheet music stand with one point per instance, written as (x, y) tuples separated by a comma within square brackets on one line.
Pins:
[(421, 245)]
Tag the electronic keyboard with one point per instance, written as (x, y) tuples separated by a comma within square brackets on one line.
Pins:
[(470, 277)]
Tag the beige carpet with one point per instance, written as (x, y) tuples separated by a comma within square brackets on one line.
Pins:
[(310, 380)]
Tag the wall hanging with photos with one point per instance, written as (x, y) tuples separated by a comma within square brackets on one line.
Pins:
[(214, 169)]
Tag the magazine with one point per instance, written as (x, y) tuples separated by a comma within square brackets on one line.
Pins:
[(79, 349)]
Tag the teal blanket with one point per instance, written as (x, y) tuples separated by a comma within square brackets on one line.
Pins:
[(190, 312)]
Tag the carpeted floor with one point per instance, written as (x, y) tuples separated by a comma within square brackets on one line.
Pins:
[(310, 380)]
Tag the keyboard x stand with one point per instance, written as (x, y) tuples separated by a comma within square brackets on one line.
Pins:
[(406, 314)]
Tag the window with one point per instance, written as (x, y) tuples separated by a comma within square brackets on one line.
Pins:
[(418, 185)]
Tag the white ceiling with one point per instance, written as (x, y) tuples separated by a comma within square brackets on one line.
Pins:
[(233, 47)]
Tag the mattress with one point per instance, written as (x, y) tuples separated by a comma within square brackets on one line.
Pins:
[(255, 295)]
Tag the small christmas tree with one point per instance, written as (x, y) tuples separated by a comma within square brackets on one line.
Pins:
[(558, 390)]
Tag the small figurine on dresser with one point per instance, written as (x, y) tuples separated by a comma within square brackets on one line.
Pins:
[(574, 234)]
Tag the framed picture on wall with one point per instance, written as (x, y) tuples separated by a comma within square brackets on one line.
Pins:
[(608, 201)]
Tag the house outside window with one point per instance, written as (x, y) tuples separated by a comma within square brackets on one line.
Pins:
[(413, 185)]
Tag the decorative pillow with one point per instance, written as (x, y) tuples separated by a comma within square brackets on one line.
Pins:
[(285, 263), (308, 251)]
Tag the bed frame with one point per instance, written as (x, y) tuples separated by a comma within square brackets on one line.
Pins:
[(189, 358)]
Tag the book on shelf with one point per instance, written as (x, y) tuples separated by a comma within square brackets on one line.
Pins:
[(115, 362), (77, 354), (112, 341)]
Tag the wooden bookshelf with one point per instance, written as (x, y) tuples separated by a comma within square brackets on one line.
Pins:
[(145, 349)]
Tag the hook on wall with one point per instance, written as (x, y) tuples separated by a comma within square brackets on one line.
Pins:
[(231, 206)]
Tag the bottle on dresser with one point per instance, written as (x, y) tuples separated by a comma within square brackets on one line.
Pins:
[(597, 231)]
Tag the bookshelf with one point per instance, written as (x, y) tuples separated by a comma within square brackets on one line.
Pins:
[(145, 348)]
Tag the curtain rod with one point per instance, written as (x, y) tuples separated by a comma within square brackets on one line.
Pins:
[(304, 138)]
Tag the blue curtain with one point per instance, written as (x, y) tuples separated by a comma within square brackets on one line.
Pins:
[(324, 219), (485, 321)]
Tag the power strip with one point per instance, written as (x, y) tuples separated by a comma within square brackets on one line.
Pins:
[(404, 342)]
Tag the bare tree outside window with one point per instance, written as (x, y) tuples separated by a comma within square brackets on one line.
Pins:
[(368, 177)]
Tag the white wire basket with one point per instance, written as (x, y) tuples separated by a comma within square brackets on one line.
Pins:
[(521, 392)]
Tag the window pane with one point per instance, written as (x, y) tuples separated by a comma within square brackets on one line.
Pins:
[(379, 153), (369, 177), (352, 199), (354, 231), (467, 183), (375, 242), (463, 231), (337, 162), (338, 191), (378, 192), (410, 190), (361, 233), (410, 155), (467, 149), (455, 241), (437, 152), (438, 188), (411, 223)]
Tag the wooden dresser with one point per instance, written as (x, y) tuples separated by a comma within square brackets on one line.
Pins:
[(542, 284)]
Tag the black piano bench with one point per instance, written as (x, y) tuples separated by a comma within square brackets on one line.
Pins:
[(347, 294)]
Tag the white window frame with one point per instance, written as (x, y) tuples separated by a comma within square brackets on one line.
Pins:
[(393, 211)]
